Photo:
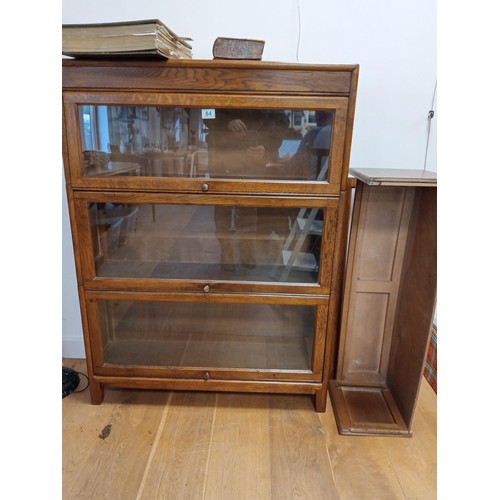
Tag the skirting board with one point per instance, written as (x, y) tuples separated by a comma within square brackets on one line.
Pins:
[(73, 348)]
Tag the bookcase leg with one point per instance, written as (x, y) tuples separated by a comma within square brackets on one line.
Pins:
[(96, 393), (320, 400)]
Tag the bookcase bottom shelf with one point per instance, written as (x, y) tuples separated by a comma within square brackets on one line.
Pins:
[(365, 411), (264, 352)]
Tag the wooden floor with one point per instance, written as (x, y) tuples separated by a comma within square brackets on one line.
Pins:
[(193, 445)]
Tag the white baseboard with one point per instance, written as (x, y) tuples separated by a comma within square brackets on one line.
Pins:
[(73, 348)]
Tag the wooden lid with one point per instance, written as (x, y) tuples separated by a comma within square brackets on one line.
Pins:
[(394, 177)]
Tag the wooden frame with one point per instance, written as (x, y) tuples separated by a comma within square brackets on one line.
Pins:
[(224, 84)]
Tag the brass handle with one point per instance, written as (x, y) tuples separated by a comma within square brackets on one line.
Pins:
[(206, 376), (204, 187), (206, 288)]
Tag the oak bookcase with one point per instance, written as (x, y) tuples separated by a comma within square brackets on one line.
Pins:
[(209, 206)]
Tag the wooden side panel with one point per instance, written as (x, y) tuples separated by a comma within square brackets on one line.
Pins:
[(379, 232), (368, 326), (376, 256), (349, 128), (416, 303)]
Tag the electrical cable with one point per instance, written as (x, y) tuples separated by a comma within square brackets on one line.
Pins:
[(81, 390), (430, 116), (300, 30)]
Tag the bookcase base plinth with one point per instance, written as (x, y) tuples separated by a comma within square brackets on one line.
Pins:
[(365, 411)]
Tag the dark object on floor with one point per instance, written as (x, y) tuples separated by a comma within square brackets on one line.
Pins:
[(105, 432), (70, 381)]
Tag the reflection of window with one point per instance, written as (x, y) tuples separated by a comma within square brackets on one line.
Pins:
[(297, 118), (94, 131), (88, 127)]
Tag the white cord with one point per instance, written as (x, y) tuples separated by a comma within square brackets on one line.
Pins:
[(430, 116), (300, 29)]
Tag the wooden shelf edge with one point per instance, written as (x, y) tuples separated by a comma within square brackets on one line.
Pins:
[(257, 386)]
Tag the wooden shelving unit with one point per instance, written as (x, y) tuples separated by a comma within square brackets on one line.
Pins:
[(388, 303), (194, 295)]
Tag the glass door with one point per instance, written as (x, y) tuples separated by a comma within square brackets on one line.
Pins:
[(174, 335), (186, 241), (207, 143)]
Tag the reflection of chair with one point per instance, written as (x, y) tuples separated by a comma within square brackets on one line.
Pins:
[(305, 224), (320, 149), (199, 161), (319, 163)]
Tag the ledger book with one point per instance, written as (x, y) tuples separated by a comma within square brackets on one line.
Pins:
[(150, 37)]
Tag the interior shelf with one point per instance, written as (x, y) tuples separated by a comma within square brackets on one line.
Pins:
[(214, 351)]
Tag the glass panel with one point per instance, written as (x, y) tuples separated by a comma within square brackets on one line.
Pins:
[(260, 336), (206, 242), (165, 141)]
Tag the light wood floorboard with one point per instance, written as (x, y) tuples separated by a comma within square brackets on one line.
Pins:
[(217, 446), (240, 454)]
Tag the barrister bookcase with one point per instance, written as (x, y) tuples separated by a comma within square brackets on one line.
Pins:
[(388, 301), (209, 205)]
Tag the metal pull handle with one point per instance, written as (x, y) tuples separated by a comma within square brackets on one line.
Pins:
[(206, 288), (204, 187)]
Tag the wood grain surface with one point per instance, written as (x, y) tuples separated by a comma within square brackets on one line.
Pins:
[(217, 446)]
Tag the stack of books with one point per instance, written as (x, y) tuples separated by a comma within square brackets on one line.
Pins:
[(146, 38)]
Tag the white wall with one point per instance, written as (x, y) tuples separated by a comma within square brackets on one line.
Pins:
[(393, 41)]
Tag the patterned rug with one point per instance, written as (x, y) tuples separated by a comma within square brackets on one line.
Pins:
[(430, 368)]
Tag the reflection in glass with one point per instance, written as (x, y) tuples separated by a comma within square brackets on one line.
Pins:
[(160, 141), (259, 336), (261, 244)]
